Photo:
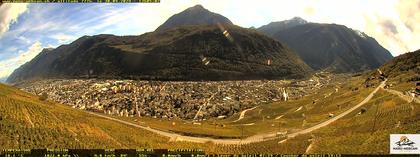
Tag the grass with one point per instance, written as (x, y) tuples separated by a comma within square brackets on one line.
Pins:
[(402, 82)]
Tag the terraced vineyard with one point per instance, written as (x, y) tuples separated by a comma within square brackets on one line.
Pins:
[(296, 145), (26, 122), (369, 132)]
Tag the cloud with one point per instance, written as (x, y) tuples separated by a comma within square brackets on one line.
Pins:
[(34, 50), (409, 12), (409, 15), (7, 66), (9, 14), (389, 27), (63, 38), (393, 23)]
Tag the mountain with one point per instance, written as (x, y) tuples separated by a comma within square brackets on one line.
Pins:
[(407, 63), (183, 53), (330, 47), (3, 79), (273, 27), (196, 15)]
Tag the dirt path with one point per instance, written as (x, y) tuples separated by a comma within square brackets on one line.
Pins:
[(278, 117), (403, 96), (243, 114), (307, 151), (251, 139)]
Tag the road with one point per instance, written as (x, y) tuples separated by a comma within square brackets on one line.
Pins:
[(403, 96), (242, 115), (325, 123), (251, 139)]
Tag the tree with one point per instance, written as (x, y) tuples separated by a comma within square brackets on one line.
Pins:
[(363, 110), (43, 96)]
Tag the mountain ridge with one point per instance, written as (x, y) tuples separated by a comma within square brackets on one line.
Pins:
[(183, 53), (273, 27), (330, 47)]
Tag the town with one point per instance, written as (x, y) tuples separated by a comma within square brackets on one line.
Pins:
[(171, 99)]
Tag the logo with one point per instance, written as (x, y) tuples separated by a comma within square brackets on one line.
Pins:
[(404, 143)]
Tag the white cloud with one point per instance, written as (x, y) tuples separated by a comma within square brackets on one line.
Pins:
[(376, 18), (63, 38), (7, 66), (30, 53), (9, 14), (394, 25)]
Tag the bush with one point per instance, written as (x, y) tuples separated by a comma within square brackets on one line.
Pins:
[(363, 110), (43, 96)]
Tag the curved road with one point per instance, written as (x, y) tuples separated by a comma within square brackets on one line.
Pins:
[(242, 115), (403, 96), (251, 139)]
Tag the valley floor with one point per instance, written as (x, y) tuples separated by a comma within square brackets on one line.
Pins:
[(340, 115)]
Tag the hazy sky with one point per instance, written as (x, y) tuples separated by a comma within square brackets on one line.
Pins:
[(27, 28)]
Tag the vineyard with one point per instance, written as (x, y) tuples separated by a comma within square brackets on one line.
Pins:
[(369, 132), (26, 122)]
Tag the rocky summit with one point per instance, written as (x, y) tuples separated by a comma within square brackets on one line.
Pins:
[(196, 15)]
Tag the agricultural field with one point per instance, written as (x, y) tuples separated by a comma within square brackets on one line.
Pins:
[(368, 132), (28, 122)]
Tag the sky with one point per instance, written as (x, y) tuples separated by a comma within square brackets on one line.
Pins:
[(25, 29)]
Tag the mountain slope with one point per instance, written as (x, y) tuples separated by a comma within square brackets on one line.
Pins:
[(184, 53), (403, 72), (334, 47), (274, 27), (405, 63), (196, 15), (328, 46), (26, 122)]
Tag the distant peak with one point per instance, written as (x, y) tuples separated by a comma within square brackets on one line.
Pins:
[(196, 15), (197, 7), (48, 49), (298, 19)]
